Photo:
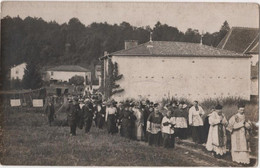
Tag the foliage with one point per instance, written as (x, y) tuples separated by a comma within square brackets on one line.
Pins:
[(16, 84), (110, 86), (49, 43), (76, 80), (32, 78)]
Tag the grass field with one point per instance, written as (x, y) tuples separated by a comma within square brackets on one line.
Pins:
[(28, 140)]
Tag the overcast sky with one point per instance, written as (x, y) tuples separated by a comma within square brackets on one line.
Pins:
[(202, 16)]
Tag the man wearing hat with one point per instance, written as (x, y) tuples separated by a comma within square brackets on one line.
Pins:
[(217, 139), (154, 126), (239, 128), (73, 115)]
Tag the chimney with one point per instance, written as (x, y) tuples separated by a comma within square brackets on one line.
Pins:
[(130, 44)]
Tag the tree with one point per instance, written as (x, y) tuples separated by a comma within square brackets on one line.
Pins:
[(32, 77), (111, 87), (77, 80)]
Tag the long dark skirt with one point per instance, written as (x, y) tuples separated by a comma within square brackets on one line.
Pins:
[(50, 118), (168, 140), (100, 121), (111, 124), (127, 128), (154, 139), (181, 133), (197, 134), (88, 124)]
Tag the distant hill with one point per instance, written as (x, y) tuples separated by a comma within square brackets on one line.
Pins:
[(51, 44)]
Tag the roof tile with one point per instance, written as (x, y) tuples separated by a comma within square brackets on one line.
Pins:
[(170, 48)]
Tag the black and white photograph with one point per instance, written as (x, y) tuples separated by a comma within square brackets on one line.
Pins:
[(114, 83)]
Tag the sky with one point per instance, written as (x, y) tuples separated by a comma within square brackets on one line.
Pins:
[(206, 17)]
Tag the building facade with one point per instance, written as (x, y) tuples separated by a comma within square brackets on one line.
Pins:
[(17, 72), (157, 70), (64, 73)]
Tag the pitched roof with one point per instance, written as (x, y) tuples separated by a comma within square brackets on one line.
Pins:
[(253, 47), (69, 68), (170, 48), (238, 39)]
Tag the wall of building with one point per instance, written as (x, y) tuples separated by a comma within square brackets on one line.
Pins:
[(254, 59), (65, 76), (17, 72), (189, 77)]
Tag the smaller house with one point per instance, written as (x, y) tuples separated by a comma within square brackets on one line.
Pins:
[(17, 71), (64, 73)]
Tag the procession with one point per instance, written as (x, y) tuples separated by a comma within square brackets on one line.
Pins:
[(159, 125), (129, 84)]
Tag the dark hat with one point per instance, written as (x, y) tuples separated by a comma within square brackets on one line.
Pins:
[(241, 105), (175, 102), (156, 105), (126, 104), (114, 102), (182, 102), (218, 107)]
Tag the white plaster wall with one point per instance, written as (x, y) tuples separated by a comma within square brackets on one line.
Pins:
[(254, 59), (65, 76), (20, 69), (188, 77)]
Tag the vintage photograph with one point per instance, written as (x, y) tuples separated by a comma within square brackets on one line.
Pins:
[(87, 83)]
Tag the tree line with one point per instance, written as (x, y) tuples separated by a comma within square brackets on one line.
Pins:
[(43, 43)]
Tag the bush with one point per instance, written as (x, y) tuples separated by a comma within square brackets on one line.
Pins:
[(77, 80)]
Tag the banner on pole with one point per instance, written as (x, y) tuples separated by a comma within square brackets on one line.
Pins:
[(15, 102), (37, 102)]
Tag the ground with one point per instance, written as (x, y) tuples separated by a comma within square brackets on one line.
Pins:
[(28, 140)]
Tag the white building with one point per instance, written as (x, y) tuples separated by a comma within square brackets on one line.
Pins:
[(164, 69), (17, 71), (244, 40), (65, 72)]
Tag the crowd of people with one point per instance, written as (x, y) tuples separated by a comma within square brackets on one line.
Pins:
[(159, 124)]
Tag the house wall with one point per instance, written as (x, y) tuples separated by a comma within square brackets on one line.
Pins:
[(65, 75), (189, 77), (17, 72), (254, 59), (254, 87)]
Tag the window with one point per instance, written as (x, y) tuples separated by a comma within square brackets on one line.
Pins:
[(17, 72), (51, 73)]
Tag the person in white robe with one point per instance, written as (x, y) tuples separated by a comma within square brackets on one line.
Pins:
[(139, 122), (217, 139), (239, 128), (195, 121)]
